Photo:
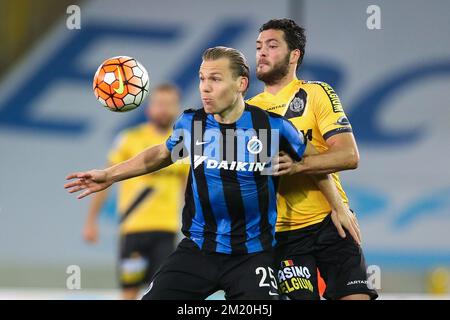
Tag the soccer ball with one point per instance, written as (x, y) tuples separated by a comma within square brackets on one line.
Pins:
[(121, 84)]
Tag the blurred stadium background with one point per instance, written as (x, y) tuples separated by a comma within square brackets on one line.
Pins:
[(394, 84)]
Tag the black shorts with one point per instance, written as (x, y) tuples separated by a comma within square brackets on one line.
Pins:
[(299, 253), (192, 274), (141, 254)]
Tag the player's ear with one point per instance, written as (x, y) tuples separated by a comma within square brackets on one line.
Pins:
[(294, 56), (243, 84)]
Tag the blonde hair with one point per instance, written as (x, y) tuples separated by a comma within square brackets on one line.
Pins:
[(238, 63)]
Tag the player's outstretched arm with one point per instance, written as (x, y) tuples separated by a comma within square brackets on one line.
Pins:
[(149, 160)]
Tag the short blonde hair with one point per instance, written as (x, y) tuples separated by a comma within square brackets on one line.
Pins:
[(238, 63)]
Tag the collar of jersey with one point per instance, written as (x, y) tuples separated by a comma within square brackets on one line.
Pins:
[(285, 89), (229, 125)]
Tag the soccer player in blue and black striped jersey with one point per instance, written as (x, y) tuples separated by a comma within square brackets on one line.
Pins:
[(230, 204)]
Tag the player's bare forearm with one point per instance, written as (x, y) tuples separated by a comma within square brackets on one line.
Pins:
[(328, 162), (341, 155), (342, 217), (149, 160), (327, 186)]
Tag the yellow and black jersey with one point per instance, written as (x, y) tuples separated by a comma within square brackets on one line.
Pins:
[(315, 110), (150, 202)]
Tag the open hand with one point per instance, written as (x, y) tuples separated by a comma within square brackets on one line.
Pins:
[(88, 182), (345, 218)]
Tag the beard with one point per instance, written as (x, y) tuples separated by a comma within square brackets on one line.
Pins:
[(278, 72)]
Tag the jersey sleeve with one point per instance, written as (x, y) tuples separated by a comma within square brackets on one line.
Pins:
[(180, 136), (329, 112), (291, 140), (120, 151)]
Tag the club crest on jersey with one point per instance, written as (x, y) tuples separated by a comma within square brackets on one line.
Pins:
[(254, 146), (297, 105)]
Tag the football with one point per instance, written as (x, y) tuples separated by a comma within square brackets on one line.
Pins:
[(121, 84)]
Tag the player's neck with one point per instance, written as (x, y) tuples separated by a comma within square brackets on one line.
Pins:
[(231, 114), (274, 88)]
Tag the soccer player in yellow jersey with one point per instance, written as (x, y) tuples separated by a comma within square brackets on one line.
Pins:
[(149, 205), (307, 238)]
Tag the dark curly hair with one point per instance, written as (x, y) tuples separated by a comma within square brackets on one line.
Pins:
[(294, 35)]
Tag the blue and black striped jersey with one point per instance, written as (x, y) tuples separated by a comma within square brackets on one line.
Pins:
[(230, 201)]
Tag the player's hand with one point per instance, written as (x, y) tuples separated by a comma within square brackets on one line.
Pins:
[(344, 218), (283, 164), (90, 232), (88, 182)]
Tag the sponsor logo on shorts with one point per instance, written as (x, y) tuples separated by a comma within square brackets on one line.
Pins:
[(356, 282), (133, 269), (292, 277)]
